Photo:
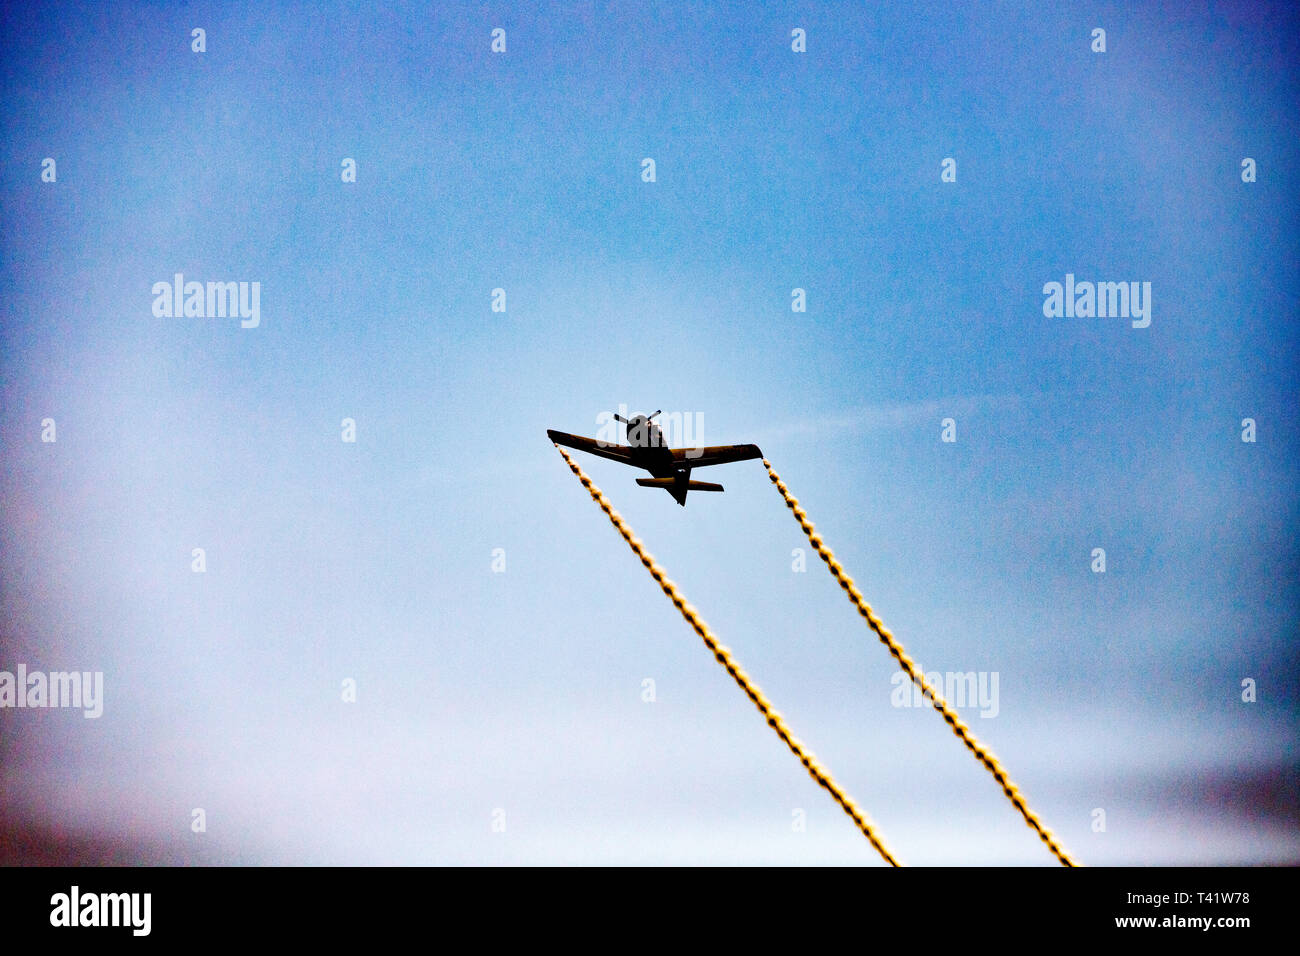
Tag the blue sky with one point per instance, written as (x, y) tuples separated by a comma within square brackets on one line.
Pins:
[(522, 690)]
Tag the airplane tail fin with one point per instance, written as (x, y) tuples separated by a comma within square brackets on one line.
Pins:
[(677, 487), (670, 483)]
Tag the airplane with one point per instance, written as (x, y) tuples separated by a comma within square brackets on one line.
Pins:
[(646, 448)]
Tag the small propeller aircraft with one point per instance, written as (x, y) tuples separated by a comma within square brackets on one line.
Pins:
[(646, 448)]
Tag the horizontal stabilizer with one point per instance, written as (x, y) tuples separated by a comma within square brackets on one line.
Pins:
[(671, 483)]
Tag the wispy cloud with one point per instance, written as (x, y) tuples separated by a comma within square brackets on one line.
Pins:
[(887, 415)]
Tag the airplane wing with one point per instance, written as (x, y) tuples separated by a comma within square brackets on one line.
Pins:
[(715, 455), (614, 452)]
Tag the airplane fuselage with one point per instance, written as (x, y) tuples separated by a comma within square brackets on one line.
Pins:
[(651, 450)]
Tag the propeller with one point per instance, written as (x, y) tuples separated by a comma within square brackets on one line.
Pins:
[(620, 418)]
